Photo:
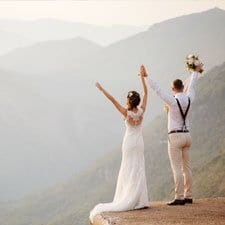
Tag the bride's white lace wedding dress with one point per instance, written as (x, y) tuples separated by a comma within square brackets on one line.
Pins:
[(131, 191)]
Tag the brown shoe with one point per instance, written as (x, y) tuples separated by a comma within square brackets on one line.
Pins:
[(188, 200)]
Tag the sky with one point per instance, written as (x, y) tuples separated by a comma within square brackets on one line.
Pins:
[(141, 12)]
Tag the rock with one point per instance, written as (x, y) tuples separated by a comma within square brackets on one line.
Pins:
[(203, 212)]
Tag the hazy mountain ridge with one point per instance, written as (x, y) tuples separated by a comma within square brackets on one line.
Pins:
[(53, 29), (70, 203), (67, 108), (50, 57), (180, 35), (161, 48)]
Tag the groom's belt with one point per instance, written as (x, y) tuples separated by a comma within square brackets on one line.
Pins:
[(178, 131)]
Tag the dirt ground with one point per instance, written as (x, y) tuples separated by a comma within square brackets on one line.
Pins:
[(201, 212)]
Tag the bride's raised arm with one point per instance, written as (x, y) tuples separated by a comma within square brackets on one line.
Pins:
[(144, 74), (118, 106)]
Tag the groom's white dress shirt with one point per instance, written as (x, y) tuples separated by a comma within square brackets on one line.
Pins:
[(175, 120)]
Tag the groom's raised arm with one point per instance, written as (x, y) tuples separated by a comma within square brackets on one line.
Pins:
[(164, 95), (191, 86)]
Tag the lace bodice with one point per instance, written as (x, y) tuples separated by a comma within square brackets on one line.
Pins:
[(134, 119)]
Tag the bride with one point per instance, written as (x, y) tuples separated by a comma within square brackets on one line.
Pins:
[(131, 190)]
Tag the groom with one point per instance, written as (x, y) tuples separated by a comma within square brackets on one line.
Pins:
[(179, 139)]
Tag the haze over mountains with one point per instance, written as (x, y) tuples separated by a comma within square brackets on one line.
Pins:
[(19, 33), (59, 122), (10, 40), (51, 57), (180, 35)]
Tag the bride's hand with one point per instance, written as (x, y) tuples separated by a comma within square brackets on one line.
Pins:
[(143, 72), (98, 85)]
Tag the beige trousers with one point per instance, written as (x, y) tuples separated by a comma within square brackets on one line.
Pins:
[(178, 148)]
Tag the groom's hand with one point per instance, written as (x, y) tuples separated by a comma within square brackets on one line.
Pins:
[(199, 68)]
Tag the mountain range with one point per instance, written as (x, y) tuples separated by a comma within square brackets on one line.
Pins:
[(59, 122), (21, 33)]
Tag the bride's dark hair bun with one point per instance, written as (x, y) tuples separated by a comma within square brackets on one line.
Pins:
[(133, 99)]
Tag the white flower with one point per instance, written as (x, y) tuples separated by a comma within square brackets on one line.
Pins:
[(190, 56), (197, 62), (130, 94), (190, 60)]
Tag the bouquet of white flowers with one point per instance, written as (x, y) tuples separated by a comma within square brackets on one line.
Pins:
[(192, 61)]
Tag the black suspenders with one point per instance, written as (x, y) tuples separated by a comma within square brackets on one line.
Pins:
[(184, 115)]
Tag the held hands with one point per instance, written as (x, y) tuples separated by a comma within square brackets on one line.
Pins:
[(98, 85), (143, 72)]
